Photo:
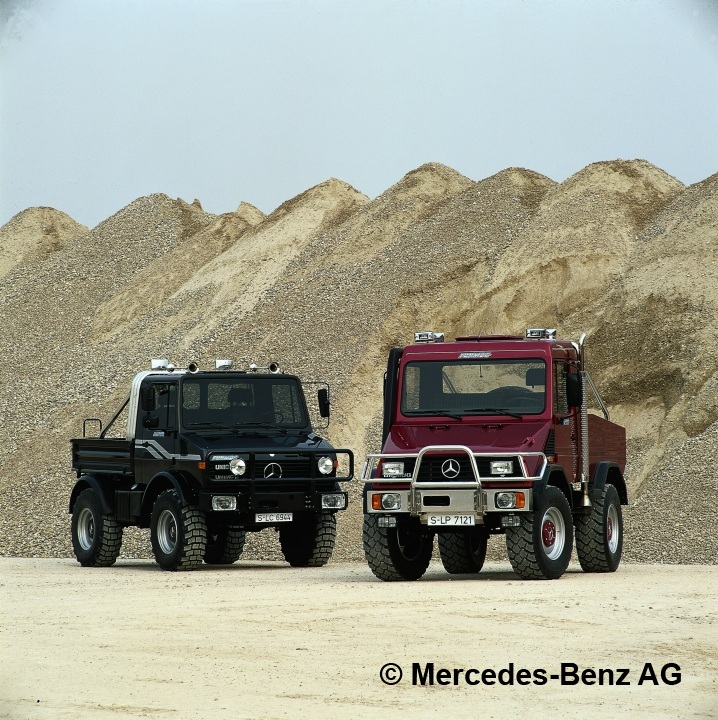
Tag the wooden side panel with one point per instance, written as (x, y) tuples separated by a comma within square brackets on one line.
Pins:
[(606, 441)]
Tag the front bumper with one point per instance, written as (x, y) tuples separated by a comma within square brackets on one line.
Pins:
[(248, 503), (474, 496)]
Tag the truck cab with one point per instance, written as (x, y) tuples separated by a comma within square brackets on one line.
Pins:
[(205, 457), (489, 435)]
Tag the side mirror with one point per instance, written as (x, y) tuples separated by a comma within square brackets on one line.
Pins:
[(323, 397), (147, 399), (574, 389)]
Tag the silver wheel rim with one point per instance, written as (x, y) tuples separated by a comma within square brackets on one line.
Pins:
[(167, 532), (613, 529), (86, 529), (553, 533)]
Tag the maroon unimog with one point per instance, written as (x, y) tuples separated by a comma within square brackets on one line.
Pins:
[(487, 435)]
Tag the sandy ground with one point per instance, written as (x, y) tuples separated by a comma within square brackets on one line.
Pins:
[(263, 640)]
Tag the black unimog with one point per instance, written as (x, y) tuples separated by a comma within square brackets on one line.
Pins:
[(206, 457)]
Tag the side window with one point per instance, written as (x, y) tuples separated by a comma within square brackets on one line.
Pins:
[(164, 402), (560, 404)]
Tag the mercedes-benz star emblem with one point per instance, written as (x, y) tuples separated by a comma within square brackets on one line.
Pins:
[(450, 468), (273, 470)]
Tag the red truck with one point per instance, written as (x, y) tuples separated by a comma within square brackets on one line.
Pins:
[(486, 435)]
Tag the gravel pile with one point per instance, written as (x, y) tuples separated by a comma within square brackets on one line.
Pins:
[(329, 282)]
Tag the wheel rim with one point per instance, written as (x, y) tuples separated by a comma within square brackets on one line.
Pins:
[(167, 532), (86, 529), (613, 529), (553, 533)]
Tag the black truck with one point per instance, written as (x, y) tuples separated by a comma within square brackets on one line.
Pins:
[(205, 457)]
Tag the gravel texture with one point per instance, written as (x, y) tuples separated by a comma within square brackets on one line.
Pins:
[(331, 280)]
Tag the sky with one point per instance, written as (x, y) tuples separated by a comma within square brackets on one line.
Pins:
[(105, 101)]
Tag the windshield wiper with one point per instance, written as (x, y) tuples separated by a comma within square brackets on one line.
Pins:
[(249, 425), (220, 426), (493, 411), (443, 413)]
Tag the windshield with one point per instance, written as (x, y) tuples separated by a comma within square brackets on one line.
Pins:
[(243, 402), (474, 387)]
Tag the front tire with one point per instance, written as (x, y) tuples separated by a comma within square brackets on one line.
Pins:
[(224, 546), (399, 553), (96, 537), (463, 552), (599, 533), (309, 542), (178, 532), (540, 547)]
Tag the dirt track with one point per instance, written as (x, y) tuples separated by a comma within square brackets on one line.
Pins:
[(263, 640)]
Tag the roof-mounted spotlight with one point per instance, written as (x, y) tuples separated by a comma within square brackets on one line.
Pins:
[(428, 336)]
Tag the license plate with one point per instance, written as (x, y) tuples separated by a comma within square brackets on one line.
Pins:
[(451, 520), (273, 517)]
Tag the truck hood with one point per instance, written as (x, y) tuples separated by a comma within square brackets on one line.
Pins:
[(519, 436), (232, 442)]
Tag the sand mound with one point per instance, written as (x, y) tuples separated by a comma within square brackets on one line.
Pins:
[(330, 280), (34, 233)]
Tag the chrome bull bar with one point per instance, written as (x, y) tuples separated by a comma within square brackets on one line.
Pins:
[(416, 486)]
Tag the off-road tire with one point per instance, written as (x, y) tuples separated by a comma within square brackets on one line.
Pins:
[(540, 547), (309, 542), (599, 533), (178, 532), (224, 546), (96, 537), (463, 552), (398, 553)]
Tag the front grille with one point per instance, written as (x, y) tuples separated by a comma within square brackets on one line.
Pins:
[(431, 468), (292, 467), (265, 466)]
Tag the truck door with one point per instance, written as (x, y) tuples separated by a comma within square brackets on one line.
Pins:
[(566, 426), (156, 432)]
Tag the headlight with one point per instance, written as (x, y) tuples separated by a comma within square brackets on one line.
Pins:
[(335, 501), (237, 466), (510, 500), (224, 502), (325, 465), (502, 467), (386, 501), (392, 469)]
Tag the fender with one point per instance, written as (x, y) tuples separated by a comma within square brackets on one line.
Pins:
[(610, 472), (105, 496), (555, 476), (166, 480)]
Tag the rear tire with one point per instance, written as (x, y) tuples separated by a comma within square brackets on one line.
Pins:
[(398, 553), (224, 546), (178, 532), (599, 533), (463, 552), (309, 542), (540, 547), (96, 537)]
